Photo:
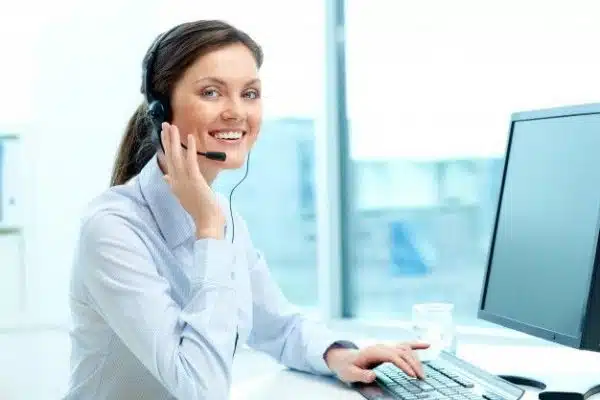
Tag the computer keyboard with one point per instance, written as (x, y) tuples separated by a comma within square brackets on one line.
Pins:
[(446, 378)]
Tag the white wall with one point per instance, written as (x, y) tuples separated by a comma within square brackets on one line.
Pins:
[(17, 69), (88, 61), (16, 40)]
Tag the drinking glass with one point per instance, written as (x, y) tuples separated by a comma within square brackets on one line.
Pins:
[(433, 323)]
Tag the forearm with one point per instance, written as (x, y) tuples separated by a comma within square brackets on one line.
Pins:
[(294, 341)]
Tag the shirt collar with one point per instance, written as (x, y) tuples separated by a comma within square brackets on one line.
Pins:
[(175, 224)]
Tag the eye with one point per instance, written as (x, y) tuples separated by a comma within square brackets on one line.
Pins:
[(252, 94), (210, 93)]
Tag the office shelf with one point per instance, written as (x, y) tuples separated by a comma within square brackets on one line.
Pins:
[(10, 230)]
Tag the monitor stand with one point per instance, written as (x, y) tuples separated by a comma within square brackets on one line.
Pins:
[(524, 381)]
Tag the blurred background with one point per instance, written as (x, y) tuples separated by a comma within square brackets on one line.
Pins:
[(392, 206)]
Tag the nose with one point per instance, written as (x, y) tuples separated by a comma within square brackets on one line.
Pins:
[(234, 111)]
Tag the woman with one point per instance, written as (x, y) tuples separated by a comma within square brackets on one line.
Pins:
[(161, 291)]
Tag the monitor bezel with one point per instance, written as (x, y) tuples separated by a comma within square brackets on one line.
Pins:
[(485, 315)]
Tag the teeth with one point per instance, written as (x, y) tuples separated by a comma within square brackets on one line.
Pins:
[(228, 135)]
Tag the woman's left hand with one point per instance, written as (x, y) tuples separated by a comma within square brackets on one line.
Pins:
[(355, 365)]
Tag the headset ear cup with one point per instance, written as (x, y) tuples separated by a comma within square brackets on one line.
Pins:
[(156, 115), (166, 110), (156, 112)]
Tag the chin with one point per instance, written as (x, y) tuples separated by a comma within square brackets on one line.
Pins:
[(233, 163)]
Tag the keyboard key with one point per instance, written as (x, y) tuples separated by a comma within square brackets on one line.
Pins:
[(492, 396), (440, 383), (435, 383), (412, 389), (423, 385), (447, 391), (384, 378), (465, 382), (401, 391)]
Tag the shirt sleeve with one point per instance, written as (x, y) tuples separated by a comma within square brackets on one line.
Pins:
[(190, 349), (281, 330)]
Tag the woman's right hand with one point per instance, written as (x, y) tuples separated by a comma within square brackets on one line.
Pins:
[(190, 187)]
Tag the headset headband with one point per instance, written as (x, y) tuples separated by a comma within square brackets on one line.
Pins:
[(148, 69)]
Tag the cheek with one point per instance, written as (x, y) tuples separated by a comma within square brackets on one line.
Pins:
[(255, 118), (194, 116)]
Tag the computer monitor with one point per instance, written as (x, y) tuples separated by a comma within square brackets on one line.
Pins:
[(542, 276)]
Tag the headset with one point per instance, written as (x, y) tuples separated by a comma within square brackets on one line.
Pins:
[(159, 108), (159, 111)]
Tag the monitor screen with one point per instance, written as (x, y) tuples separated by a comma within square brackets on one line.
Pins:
[(543, 250)]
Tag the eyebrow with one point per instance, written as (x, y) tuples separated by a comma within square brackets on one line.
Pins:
[(223, 83)]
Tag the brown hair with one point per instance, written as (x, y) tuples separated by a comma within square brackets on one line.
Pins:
[(179, 49)]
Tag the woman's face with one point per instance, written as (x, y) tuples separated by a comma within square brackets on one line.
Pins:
[(218, 100)]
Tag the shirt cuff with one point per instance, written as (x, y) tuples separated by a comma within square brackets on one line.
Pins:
[(214, 263), (318, 349)]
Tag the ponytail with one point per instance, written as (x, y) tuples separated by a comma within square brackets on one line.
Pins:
[(135, 149)]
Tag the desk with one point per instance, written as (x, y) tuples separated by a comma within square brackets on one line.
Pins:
[(256, 376), (35, 365)]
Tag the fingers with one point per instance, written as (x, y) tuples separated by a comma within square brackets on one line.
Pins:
[(356, 374), (192, 162), (176, 151), (380, 354), (166, 141), (372, 356), (179, 164), (402, 357), (411, 358), (406, 364), (417, 345)]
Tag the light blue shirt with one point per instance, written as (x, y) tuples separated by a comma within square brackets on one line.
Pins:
[(156, 312)]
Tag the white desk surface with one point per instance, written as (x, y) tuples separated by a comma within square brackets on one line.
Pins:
[(35, 365), (256, 376)]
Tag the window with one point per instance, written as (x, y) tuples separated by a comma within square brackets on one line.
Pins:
[(306, 169), (273, 203), (430, 88)]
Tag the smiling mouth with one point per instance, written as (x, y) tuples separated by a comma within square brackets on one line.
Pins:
[(230, 136)]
